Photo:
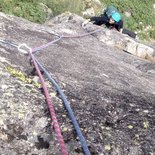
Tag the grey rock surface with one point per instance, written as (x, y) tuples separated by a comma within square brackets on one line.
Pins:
[(111, 92)]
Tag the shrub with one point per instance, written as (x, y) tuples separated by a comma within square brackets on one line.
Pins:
[(152, 34), (144, 36), (33, 11), (28, 9), (60, 6)]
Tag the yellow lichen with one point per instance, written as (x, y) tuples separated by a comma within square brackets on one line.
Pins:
[(107, 147), (130, 126), (22, 77), (146, 124)]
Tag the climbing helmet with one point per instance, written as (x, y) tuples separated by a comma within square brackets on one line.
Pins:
[(116, 17)]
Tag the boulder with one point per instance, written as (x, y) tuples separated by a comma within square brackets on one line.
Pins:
[(140, 49)]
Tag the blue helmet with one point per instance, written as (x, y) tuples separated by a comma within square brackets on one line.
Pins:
[(116, 17)]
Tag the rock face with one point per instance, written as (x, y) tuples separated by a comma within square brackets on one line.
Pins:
[(111, 91), (123, 42), (140, 50)]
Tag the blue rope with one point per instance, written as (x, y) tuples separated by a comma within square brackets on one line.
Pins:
[(8, 42), (70, 111)]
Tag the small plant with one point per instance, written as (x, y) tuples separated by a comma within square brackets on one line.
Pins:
[(61, 6), (144, 36), (30, 10), (152, 34)]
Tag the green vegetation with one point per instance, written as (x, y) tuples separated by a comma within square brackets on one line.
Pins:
[(60, 6), (142, 11), (152, 34), (28, 9), (34, 11)]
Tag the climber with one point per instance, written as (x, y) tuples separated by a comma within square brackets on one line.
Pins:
[(112, 19)]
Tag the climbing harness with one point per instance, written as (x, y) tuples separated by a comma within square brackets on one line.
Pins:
[(24, 49)]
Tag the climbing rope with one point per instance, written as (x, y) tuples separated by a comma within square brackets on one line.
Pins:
[(35, 50), (23, 48), (50, 106), (46, 45), (68, 108), (8, 42), (83, 35), (65, 101)]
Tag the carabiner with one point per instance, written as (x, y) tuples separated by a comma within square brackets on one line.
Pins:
[(23, 48)]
